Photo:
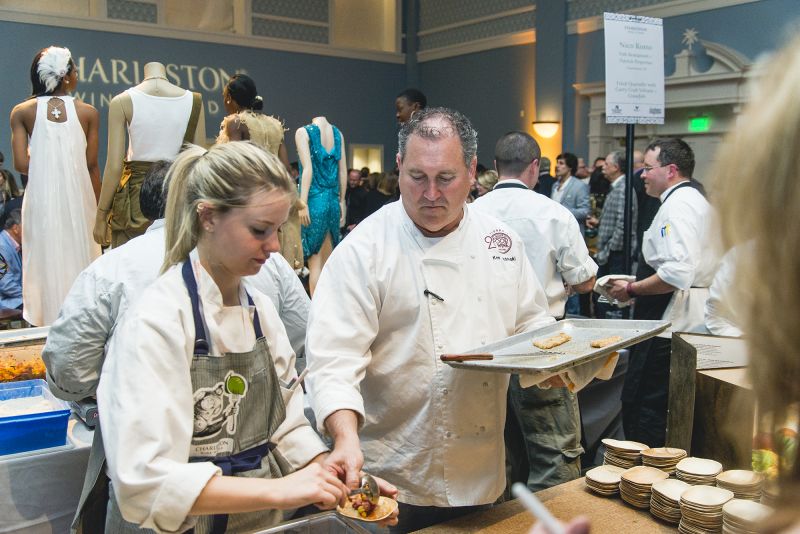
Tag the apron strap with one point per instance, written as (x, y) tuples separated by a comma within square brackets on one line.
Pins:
[(200, 342), (687, 183), (240, 462), (256, 322), (201, 345)]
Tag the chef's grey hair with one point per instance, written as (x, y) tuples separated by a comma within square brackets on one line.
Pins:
[(223, 177), (460, 125)]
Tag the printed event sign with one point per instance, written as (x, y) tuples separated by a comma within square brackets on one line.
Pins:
[(634, 69)]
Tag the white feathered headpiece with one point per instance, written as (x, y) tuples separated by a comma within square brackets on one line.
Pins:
[(53, 66)]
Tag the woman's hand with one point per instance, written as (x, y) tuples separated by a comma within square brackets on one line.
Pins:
[(305, 218), (312, 484), (342, 213), (100, 228)]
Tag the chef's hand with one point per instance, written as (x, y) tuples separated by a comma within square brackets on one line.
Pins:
[(346, 461), (312, 484), (617, 290), (100, 226), (388, 490), (305, 218), (576, 526)]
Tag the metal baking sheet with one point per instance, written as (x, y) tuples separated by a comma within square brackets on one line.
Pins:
[(517, 354)]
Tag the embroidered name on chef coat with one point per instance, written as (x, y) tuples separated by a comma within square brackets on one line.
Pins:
[(499, 241)]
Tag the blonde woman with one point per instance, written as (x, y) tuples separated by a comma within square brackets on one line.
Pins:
[(755, 207), (486, 182), (198, 420)]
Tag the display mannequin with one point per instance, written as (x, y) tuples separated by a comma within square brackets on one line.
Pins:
[(323, 182), (167, 117)]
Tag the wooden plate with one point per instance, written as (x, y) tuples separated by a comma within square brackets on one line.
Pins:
[(384, 509)]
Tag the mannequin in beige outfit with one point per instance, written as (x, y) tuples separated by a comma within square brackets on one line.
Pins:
[(118, 170)]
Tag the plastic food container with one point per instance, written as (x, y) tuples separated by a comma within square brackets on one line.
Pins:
[(324, 523), (31, 431)]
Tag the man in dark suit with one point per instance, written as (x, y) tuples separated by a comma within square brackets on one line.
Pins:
[(544, 185)]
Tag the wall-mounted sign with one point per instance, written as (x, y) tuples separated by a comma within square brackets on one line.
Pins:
[(634, 69)]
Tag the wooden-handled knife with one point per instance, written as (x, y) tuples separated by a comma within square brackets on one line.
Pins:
[(465, 357)]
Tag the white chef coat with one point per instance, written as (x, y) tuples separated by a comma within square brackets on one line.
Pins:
[(679, 247), (720, 315), (374, 341), (77, 340), (145, 396), (553, 240)]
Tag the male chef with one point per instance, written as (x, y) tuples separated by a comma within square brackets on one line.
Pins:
[(549, 420), (676, 266), (422, 277)]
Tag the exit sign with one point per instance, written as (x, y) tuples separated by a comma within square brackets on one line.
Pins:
[(699, 124)]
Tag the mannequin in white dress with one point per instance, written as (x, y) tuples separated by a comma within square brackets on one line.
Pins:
[(54, 141)]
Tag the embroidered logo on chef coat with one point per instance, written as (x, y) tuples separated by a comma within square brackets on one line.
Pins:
[(498, 240), (217, 407), (665, 230)]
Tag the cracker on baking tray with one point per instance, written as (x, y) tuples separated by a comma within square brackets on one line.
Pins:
[(552, 341), (604, 342)]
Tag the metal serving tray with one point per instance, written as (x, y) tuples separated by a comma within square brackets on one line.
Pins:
[(517, 354), (324, 523)]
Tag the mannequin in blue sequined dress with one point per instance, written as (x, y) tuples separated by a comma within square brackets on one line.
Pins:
[(323, 175)]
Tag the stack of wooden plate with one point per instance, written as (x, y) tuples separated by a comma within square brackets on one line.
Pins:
[(636, 483), (743, 484), (664, 458), (743, 517), (604, 479), (770, 493), (698, 471), (665, 502), (701, 509), (624, 454)]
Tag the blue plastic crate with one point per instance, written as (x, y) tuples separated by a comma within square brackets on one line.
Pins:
[(29, 432)]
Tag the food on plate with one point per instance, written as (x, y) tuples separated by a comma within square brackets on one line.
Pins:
[(377, 512), (552, 341), (604, 342), (362, 505)]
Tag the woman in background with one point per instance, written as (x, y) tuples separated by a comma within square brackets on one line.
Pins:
[(245, 121), (486, 182)]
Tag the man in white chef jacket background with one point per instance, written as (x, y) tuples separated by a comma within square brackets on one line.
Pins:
[(676, 266), (421, 277), (545, 422)]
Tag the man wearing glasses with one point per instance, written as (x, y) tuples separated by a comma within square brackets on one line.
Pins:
[(676, 266)]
